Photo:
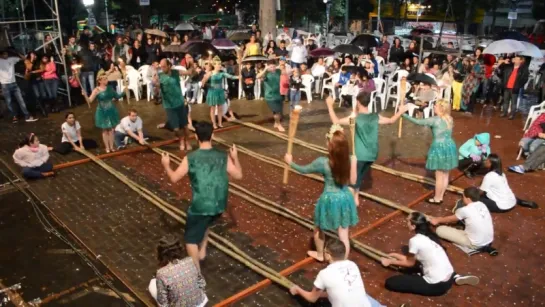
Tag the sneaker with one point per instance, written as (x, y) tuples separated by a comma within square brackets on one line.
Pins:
[(126, 141), (31, 119), (15, 120), (467, 280), (458, 205), (120, 147), (519, 169)]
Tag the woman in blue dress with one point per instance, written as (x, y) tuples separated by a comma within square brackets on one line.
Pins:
[(442, 155), (336, 209), (106, 115), (216, 94)]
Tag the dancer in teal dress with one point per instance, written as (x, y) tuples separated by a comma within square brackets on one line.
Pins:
[(442, 155), (106, 115), (271, 82), (216, 94), (335, 209)]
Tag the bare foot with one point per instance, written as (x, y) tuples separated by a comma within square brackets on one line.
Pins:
[(280, 128), (202, 254), (161, 126), (48, 174), (188, 147), (182, 147), (107, 150), (314, 254), (215, 127), (191, 128)]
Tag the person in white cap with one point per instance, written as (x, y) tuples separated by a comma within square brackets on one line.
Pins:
[(298, 53)]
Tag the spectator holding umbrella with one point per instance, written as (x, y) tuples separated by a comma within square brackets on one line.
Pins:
[(514, 76)]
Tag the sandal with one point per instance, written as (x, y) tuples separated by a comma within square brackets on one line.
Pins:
[(434, 201)]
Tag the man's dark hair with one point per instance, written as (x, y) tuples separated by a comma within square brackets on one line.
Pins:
[(169, 249), (472, 193), (336, 249), (204, 131), (282, 41), (363, 98)]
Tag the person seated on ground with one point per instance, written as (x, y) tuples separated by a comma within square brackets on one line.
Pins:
[(32, 157), (129, 128), (479, 230), (248, 77), (473, 153), (434, 275), (71, 136), (534, 161), (534, 137), (177, 281), (495, 191), (340, 281)]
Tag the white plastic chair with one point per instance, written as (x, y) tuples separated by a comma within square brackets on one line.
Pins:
[(396, 86), (143, 70), (200, 94), (329, 83), (533, 114), (134, 83), (307, 81), (428, 111), (379, 92)]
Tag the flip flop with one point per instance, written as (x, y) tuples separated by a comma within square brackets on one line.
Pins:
[(434, 201)]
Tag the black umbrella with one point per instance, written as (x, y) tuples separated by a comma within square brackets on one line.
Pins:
[(350, 49), (365, 41), (422, 78), (201, 47)]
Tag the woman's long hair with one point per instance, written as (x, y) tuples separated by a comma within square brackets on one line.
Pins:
[(423, 227), (168, 250), (495, 164), (339, 159), (444, 112)]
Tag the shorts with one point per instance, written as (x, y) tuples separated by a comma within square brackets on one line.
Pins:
[(177, 117), (361, 170), (196, 226)]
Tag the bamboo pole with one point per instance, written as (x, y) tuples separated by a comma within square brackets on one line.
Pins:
[(403, 84), (76, 69), (323, 150), (294, 121), (353, 134), (177, 214)]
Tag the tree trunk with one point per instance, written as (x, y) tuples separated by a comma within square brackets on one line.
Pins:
[(267, 16), (467, 17)]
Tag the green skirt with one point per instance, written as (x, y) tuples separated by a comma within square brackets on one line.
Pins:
[(276, 105), (177, 117), (336, 209), (106, 117), (215, 97), (442, 156)]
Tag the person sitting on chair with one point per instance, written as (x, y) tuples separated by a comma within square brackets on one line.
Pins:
[(473, 153), (534, 161), (534, 136), (479, 230), (130, 128)]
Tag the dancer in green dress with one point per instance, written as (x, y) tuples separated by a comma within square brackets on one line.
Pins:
[(271, 82), (173, 101), (208, 170), (442, 155), (106, 115), (216, 93), (336, 209), (366, 134)]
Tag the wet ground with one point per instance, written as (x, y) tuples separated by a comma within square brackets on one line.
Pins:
[(123, 228)]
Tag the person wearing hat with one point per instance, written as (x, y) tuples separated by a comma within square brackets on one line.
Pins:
[(298, 53), (209, 170)]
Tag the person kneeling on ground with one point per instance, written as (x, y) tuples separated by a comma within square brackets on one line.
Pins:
[(71, 136), (425, 247), (534, 161), (473, 153), (340, 281), (178, 281), (479, 230), (130, 128), (495, 191), (32, 157)]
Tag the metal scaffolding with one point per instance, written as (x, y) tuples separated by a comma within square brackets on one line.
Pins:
[(25, 31)]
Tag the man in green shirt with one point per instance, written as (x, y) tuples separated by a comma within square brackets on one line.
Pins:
[(173, 101), (208, 170), (366, 134)]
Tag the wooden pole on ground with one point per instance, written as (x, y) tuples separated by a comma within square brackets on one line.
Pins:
[(294, 121)]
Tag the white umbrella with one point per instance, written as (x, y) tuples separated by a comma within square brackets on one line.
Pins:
[(184, 27), (504, 46), (531, 50)]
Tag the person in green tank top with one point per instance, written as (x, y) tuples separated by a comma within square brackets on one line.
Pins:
[(271, 81), (209, 170), (366, 134), (173, 101)]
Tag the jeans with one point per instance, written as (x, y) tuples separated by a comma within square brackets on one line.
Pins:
[(88, 76), (12, 89), (416, 284), (510, 96), (530, 144), (119, 137), (51, 87), (192, 90), (38, 88), (36, 172), (295, 98), (295, 65)]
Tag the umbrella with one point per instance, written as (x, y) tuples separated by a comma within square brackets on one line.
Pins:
[(156, 32), (184, 27), (224, 44), (256, 58), (422, 78), (365, 41), (504, 46), (531, 50), (322, 52), (173, 48), (200, 47), (350, 49), (240, 36)]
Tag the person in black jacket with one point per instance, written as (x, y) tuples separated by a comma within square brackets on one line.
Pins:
[(541, 84), (397, 54), (87, 73), (138, 55), (248, 80), (514, 77)]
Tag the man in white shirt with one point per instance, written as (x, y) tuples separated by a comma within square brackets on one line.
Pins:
[(129, 128), (10, 87), (340, 282), (298, 53), (479, 230)]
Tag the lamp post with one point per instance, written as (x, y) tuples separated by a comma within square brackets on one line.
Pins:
[(91, 20), (327, 9)]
